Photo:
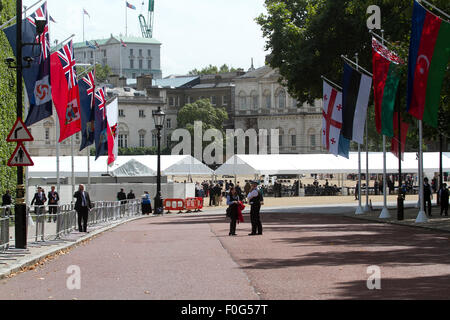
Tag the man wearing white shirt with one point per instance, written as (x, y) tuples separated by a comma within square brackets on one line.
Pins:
[(256, 200)]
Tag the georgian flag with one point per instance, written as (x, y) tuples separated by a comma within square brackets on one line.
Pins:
[(332, 118)]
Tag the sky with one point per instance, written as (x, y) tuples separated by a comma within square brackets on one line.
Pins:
[(193, 33)]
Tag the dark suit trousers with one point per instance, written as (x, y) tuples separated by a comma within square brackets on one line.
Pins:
[(255, 219), (427, 205), (82, 219)]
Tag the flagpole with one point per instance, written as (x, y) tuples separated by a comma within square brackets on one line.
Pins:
[(58, 184), (359, 210), (385, 212), (435, 8), (120, 49), (422, 217), (126, 21), (24, 11), (366, 208), (73, 164), (83, 25)]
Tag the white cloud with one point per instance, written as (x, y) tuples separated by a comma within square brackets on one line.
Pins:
[(194, 33)]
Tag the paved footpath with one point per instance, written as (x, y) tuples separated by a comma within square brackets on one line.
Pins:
[(300, 256)]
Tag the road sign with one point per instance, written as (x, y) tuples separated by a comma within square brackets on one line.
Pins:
[(20, 157), (19, 132)]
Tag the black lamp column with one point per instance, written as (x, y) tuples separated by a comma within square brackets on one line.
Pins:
[(159, 117)]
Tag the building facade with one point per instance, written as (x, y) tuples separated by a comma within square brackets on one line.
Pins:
[(262, 103), (141, 56)]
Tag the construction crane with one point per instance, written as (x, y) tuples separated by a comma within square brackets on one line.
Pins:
[(147, 25)]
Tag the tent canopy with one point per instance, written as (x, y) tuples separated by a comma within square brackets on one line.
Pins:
[(327, 163), (123, 166)]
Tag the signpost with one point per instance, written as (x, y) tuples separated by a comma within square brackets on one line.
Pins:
[(20, 158)]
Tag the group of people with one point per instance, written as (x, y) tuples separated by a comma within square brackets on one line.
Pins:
[(443, 194), (235, 207), (216, 191), (52, 200)]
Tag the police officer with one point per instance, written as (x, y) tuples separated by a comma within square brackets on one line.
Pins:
[(256, 200)]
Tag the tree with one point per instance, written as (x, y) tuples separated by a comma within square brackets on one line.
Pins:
[(201, 110), (306, 39), (101, 72), (7, 102), (212, 70)]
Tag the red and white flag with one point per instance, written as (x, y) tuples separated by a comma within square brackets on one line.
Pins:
[(332, 118), (112, 116)]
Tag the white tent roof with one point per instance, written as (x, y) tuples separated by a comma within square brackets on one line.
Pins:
[(327, 163), (170, 165)]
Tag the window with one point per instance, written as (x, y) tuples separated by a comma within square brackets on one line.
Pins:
[(141, 64), (92, 54), (131, 64), (123, 140), (131, 52), (168, 141), (224, 100), (294, 140), (104, 53), (187, 99), (242, 100), (140, 52), (312, 139), (255, 100), (267, 99), (281, 99), (280, 139), (171, 101), (154, 139), (149, 53), (84, 54), (121, 113), (133, 76), (141, 140), (168, 123), (47, 135), (214, 100), (141, 114), (149, 64)]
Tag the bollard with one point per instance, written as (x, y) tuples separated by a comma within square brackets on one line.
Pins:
[(400, 207)]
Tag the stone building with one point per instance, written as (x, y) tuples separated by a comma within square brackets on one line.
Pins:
[(262, 103), (141, 56)]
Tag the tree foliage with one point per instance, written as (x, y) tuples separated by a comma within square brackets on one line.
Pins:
[(7, 101), (306, 39), (212, 70)]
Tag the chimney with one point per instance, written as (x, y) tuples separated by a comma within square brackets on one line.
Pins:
[(144, 82), (122, 82), (114, 80)]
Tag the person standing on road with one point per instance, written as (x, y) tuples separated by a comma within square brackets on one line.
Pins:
[(256, 200), (443, 194), (146, 203), (131, 195), (427, 196), (53, 199), (233, 202), (121, 196), (39, 200), (82, 207)]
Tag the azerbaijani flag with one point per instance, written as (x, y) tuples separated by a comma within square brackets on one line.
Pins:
[(429, 53), (385, 83), (129, 5)]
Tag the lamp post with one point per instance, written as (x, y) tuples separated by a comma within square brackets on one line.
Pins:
[(159, 117), (20, 207)]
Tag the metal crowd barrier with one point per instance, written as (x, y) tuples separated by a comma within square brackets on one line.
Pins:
[(5, 217), (43, 226)]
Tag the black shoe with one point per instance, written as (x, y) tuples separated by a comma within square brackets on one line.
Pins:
[(259, 234), (252, 234)]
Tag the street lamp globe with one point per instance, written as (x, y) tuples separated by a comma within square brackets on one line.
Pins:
[(159, 117)]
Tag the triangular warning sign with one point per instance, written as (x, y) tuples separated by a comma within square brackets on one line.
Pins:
[(20, 157), (19, 132)]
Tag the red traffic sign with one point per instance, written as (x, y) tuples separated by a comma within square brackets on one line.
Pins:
[(19, 132), (20, 157)]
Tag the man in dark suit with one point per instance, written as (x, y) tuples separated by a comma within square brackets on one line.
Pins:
[(443, 193), (39, 200), (131, 195), (82, 206), (427, 196), (256, 200), (121, 196), (53, 199)]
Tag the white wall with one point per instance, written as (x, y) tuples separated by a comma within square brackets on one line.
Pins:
[(108, 192)]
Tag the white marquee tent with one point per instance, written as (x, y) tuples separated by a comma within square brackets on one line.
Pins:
[(45, 167), (328, 163)]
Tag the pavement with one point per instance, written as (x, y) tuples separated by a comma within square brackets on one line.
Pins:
[(306, 252)]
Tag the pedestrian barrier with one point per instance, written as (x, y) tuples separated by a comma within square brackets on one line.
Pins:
[(44, 226), (200, 203), (191, 204), (174, 205), (5, 213)]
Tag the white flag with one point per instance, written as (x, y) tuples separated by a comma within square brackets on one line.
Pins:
[(332, 118), (112, 115)]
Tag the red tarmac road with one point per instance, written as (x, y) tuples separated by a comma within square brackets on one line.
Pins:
[(300, 256)]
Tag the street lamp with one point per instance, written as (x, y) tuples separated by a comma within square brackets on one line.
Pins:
[(158, 116)]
